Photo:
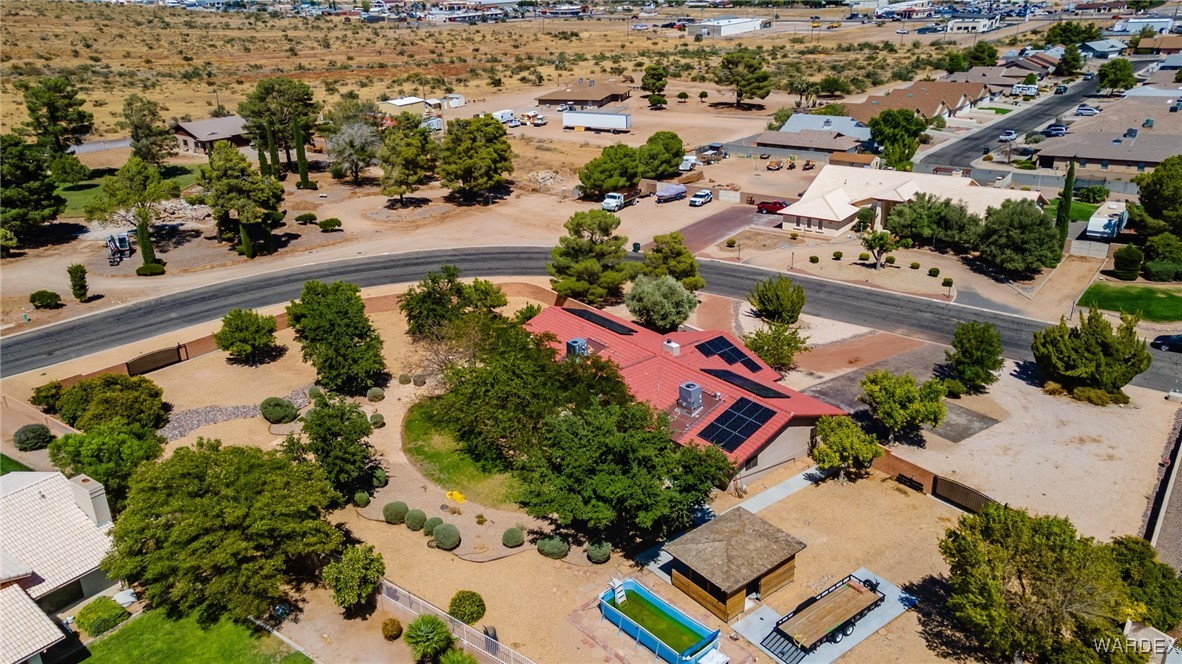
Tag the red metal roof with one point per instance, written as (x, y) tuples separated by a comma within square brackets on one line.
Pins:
[(654, 374)]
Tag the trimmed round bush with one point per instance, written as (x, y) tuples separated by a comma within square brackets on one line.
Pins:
[(395, 512), (837, 255), (380, 479), (307, 218), (377, 421), (149, 270), (447, 536), (277, 410), (44, 299), (1127, 262), (512, 538), (32, 437), (731, 242), (915, 266), (100, 616), (933, 272), (361, 499), (814, 259), (599, 552), (947, 283), (430, 524), (391, 629), (553, 547), (415, 519), (315, 392), (419, 380), (375, 394), (466, 606), (954, 388), (863, 256), (404, 379), (1163, 271), (889, 260)]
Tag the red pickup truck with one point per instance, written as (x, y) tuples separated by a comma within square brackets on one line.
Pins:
[(771, 207)]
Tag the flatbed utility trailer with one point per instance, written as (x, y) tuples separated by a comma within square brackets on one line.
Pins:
[(829, 616)]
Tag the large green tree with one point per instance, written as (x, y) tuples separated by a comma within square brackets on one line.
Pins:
[(902, 404), (897, 131), (27, 192), (777, 300), (355, 147), (668, 255), (1161, 192), (441, 299), (589, 262), (930, 220), (407, 156), (335, 434), (654, 80), (660, 303), (217, 531), (842, 444), (237, 194), (134, 194), (135, 400), (612, 473), (356, 577), (777, 344), (881, 243), (108, 453), (247, 336), (273, 109), (617, 167), (1019, 237), (981, 54), (337, 337), (743, 70), (975, 357), (1116, 75), (151, 139), (1030, 587), (56, 116), (1071, 33), (1071, 63), (1092, 355), (661, 155), (475, 156), (1150, 582)]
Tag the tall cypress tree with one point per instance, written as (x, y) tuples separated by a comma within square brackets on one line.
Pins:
[(1063, 214), (297, 134), (273, 148), (260, 148)]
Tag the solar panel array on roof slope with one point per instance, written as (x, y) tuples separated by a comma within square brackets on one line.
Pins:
[(736, 424), (729, 353), (600, 320), (754, 387)]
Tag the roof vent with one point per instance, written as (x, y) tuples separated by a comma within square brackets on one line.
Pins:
[(827, 123), (672, 347), (576, 347), (689, 396)]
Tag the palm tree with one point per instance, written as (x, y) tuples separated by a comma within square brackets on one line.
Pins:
[(428, 638)]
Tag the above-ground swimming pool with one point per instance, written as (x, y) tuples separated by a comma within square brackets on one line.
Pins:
[(658, 625)]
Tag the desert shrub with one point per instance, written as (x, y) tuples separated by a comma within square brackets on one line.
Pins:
[(837, 255), (100, 616), (915, 266), (338, 171), (947, 283), (553, 547), (731, 242), (404, 379), (987, 157), (377, 421), (415, 519), (419, 380), (149, 270), (512, 538), (380, 479), (814, 259), (1127, 262), (315, 392), (889, 260), (310, 185), (954, 388), (1091, 395), (44, 299), (391, 629), (395, 512), (1163, 271), (375, 394), (47, 395), (277, 410), (863, 256), (599, 552), (32, 437), (1054, 389), (466, 606), (307, 218), (447, 536), (455, 656), (933, 272), (429, 525), (329, 225), (480, 519), (361, 499)]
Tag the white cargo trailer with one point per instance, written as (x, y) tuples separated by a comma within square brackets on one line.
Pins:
[(596, 121), (504, 116)]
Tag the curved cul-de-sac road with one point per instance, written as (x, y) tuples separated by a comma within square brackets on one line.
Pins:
[(890, 312)]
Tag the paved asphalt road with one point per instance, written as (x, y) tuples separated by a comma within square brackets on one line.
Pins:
[(881, 310)]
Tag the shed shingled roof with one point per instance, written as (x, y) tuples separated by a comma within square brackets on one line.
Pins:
[(734, 549)]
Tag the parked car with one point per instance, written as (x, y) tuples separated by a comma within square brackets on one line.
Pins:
[(1087, 111), (1024, 151), (929, 29), (1060, 89), (902, 32), (1008, 135), (513, 124), (701, 198), (1054, 131), (771, 207), (1168, 342), (1089, 76)]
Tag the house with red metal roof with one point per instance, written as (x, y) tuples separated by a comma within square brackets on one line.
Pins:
[(714, 390)]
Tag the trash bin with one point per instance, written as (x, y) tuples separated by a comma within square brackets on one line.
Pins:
[(636, 247)]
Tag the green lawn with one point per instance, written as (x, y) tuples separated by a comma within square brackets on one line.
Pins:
[(154, 638), (78, 196), (1159, 304), (1079, 211), (657, 622), (999, 111), (438, 456), (10, 465)]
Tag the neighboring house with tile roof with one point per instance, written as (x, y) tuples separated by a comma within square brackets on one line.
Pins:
[(54, 532), (830, 204), (807, 139), (999, 80), (1166, 45), (199, 137), (928, 99), (715, 391), (1110, 151)]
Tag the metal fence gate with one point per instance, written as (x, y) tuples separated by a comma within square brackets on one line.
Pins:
[(964, 497)]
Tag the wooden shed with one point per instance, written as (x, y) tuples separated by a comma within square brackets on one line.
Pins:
[(737, 554)]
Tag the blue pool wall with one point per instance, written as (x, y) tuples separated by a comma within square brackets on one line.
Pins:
[(626, 625)]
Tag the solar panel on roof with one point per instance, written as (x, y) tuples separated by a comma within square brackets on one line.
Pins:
[(729, 353), (601, 320), (758, 389), (736, 424)]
